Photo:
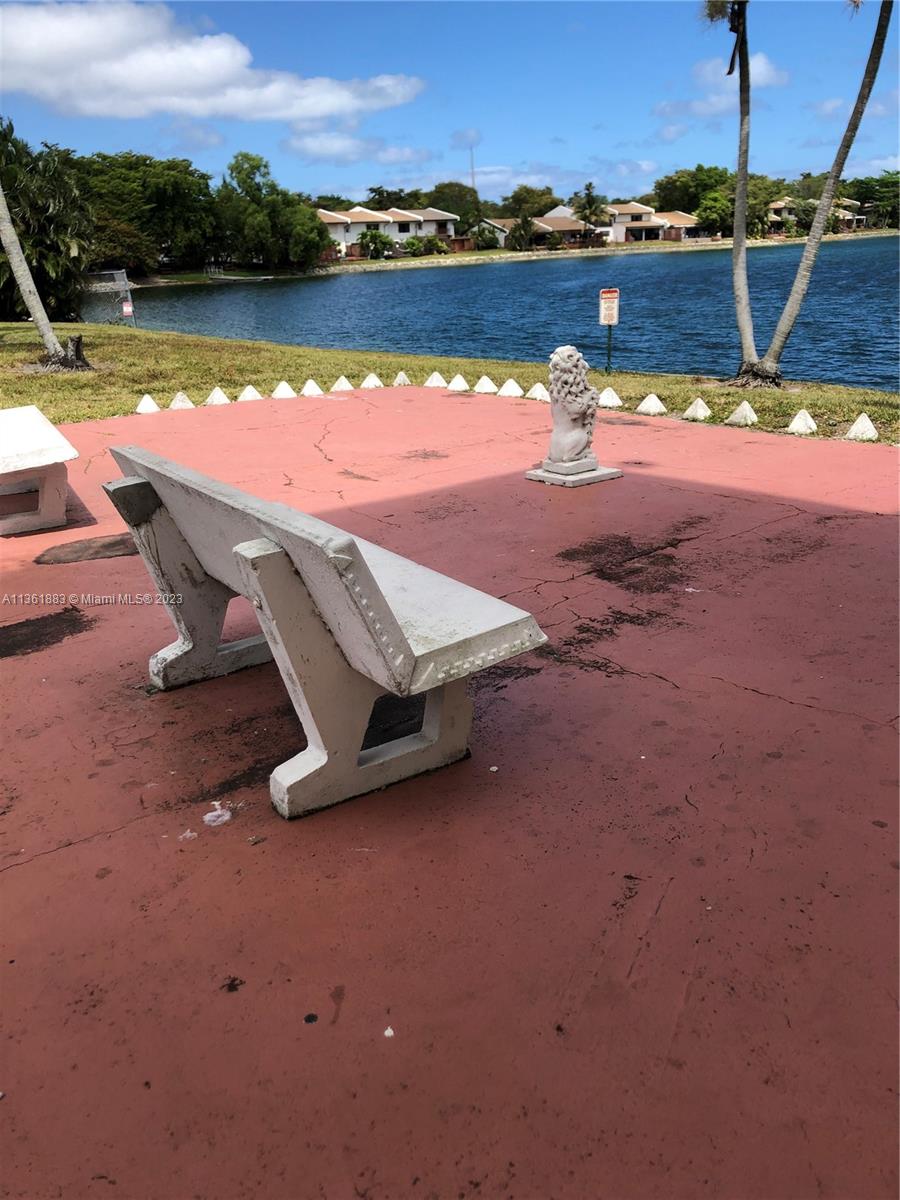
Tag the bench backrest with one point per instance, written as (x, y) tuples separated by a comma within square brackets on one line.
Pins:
[(213, 518)]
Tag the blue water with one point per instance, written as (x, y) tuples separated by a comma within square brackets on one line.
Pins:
[(676, 315)]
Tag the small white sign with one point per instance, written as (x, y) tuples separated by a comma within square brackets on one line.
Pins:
[(127, 308), (609, 306)]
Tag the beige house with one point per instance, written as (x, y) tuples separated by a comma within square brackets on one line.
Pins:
[(780, 211), (560, 220), (845, 210), (633, 222), (680, 226)]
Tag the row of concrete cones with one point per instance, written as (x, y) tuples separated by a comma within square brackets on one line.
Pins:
[(743, 416)]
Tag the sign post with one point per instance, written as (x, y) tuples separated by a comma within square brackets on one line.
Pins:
[(609, 316)]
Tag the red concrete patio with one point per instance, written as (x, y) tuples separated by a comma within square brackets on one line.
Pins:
[(642, 944)]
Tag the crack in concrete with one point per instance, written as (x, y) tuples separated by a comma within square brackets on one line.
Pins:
[(78, 842), (837, 712), (642, 938)]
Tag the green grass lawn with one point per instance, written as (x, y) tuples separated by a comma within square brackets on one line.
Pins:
[(130, 362)]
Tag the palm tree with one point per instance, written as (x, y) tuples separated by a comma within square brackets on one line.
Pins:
[(9, 239), (588, 207), (521, 235), (11, 152), (737, 23), (769, 366), (754, 372)]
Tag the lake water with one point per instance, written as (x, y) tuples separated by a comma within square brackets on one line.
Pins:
[(677, 312)]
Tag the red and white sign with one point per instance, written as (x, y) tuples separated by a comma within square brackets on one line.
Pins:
[(609, 306), (127, 308)]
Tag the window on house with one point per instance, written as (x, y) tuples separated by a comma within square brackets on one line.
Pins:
[(442, 226), (403, 226), (372, 225)]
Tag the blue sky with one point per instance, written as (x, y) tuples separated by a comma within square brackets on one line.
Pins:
[(342, 95)]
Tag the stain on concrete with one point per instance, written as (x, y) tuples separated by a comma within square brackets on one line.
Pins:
[(38, 633), (608, 626), (115, 545), (616, 558), (498, 677), (425, 454), (254, 775), (348, 474), (576, 649), (337, 995), (791, 545), (232, 983), (570, 652)]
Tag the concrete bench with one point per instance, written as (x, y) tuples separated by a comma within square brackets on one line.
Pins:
[(345, 620), (33, 457)]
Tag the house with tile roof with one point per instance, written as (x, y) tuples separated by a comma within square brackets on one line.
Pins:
[(560, 220), (398, 224)]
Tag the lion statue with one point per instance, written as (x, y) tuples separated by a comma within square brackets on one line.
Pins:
[(573, 406)]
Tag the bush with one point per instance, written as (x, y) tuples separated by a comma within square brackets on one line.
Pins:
[(486, 238), (374, 243), (555, 240), (433, 245), (414, 246)]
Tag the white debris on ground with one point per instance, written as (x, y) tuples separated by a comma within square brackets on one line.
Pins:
[(218, 816)]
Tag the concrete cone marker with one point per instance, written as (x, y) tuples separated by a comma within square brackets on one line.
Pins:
[(402, 380), (743, 416), (311, 388), (651, 406), (609, 399), (371, 381), (862, 430), (510, 388), (458, 384), (436, 379), (147, 404), (283, 391), (802, 424), (485, 384), (697, 410), (216, 396), (249, 393), (180, 400), (538, 392), (342, 385)]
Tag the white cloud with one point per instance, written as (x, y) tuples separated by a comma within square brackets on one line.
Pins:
[(857, 167), (883, 106), (710, 73), (341, 148), (671, 133), (134, 60), (722, 89), (462, 139), (193, 135), (828, 110)]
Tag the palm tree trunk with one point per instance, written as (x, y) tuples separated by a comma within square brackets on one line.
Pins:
[(10, 242), (749, 356), (770, 363)]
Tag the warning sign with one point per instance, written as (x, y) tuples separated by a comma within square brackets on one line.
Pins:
[(609, 306)]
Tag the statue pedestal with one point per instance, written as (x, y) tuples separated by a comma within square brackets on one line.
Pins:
[(572, 474)]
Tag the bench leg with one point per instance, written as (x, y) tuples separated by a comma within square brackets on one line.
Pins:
[(334, 702), (51, 484), (195, 602)]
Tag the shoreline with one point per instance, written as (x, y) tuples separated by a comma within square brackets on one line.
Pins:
[(364, 266), (130, 362)]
